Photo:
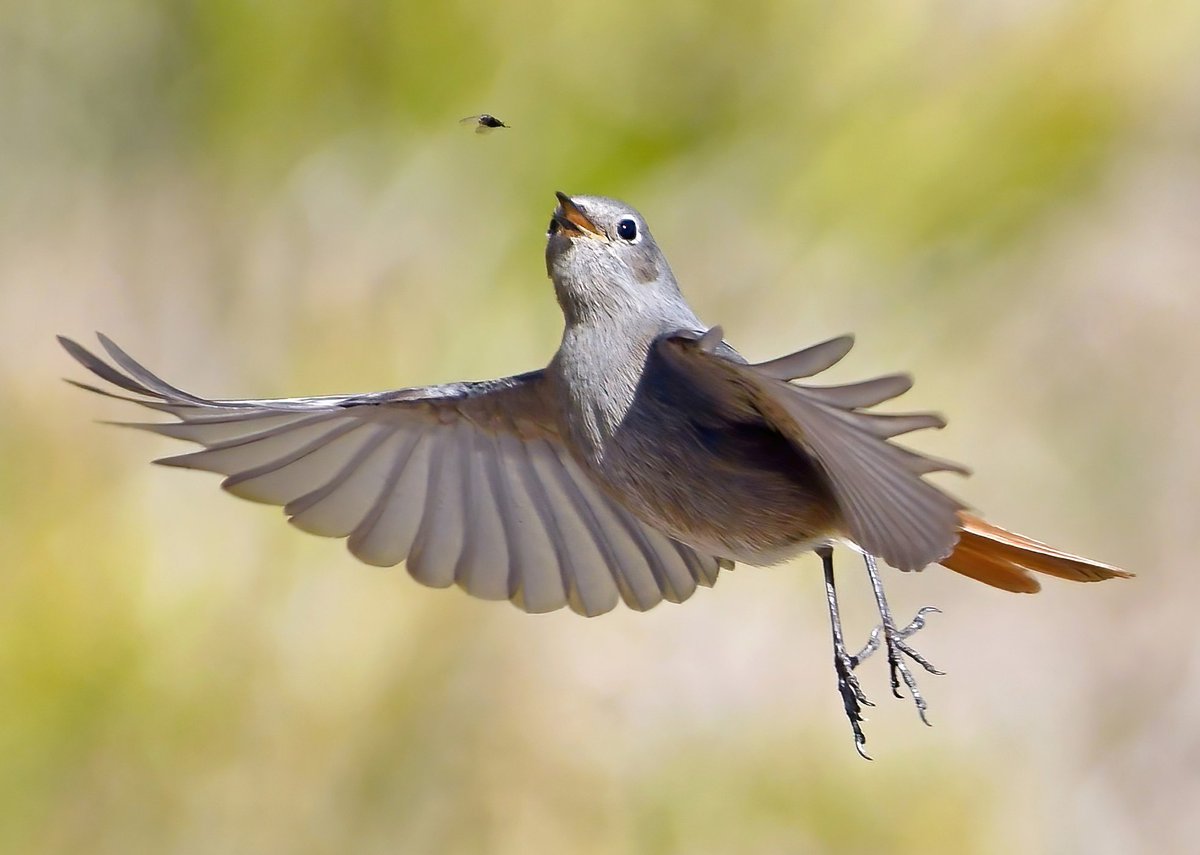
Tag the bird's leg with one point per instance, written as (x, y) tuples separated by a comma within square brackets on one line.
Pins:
[(894, 639), (853, 698)]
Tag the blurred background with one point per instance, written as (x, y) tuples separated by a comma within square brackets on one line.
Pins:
[(271, 198)]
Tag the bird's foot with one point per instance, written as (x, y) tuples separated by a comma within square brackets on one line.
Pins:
[(895, 640), (853, 697)]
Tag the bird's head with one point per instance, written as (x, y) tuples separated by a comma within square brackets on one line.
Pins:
[(604, 261)]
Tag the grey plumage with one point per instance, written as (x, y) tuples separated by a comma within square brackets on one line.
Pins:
[(647, 456), (726, 457)]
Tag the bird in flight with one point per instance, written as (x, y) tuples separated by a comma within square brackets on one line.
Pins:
[(643, 460)]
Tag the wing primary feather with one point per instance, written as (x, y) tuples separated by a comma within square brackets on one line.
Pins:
[(155, 384), (888, 425), (805, 363), (502, 490), (892, 512), (360, 536), (302, 503), (505, 503), (531, 550), (102, 370), (545, 584), (338, 511), (286, 460), (567, 573), (922, 463), (219, 415), (436, 547), (160, 406), (865, 393), (266, 447), (272, 432), (209, 433), (483, 572)]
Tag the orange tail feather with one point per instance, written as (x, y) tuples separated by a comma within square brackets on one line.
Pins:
[(1003, 559)]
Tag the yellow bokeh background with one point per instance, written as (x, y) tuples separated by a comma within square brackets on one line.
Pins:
[(276, 198)]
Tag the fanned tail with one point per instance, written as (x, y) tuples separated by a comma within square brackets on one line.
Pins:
[(1003, 559)]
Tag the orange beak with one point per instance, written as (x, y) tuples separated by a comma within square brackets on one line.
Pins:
[(572, 220)]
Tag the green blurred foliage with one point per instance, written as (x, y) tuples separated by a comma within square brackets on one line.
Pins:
[(276, 198)]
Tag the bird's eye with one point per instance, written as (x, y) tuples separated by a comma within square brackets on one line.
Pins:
[(627, 229)]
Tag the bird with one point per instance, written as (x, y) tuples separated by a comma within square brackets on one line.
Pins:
[(644, 459), (484, 123)]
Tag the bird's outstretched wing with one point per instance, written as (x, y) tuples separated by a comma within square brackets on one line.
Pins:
[(887, 507), (467, 483)]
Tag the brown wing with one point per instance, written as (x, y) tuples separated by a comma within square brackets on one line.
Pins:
[(887, 507), (468, 483)]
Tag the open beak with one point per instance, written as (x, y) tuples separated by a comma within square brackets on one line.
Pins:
[(571, 219)]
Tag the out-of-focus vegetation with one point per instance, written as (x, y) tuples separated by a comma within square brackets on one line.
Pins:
[(263, 198)]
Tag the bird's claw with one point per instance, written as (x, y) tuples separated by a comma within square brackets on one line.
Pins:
[(895, 641), (885, 635), (853, 697)]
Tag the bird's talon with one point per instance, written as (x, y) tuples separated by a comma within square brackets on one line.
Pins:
[(893, 640)]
